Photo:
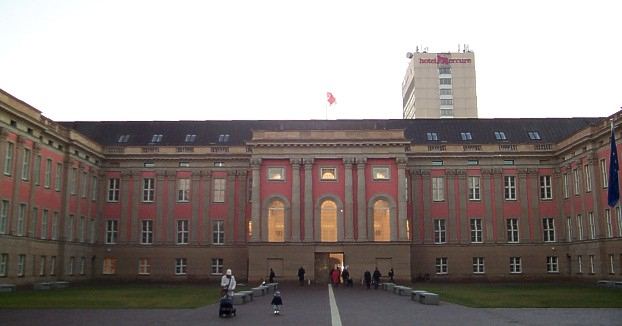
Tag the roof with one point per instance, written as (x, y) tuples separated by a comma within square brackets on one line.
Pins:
[(214, 132)]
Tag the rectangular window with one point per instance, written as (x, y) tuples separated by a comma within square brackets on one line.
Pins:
[(534, 135), (91, 230), (569, 228), (438, 188), (180, 266), (580, 264), (444, 70), (276, 174), (441, 265), (58, 181), (515, 265), (588, 178), (70, 224), (590, 220), (512, 228), (94, 188), (328, 174), (53, 265), (182, 231), (619, 217), (8, 158), (546, 189), (439, 231), (4, 216), (474, 193), (146, 232), (219, 190), (144, 268), (608, 222), (217, 264), (83, 185), (21, 265), (109, 266), (55, 226), (500, 135), (26, 165), (4, 265), (218, 232), (114, 188), (34, 219), (478, 265), (148, 189), (476, 230), (612, 269), (381, 173), (447, 101), (445, 81), (21, 217), (509, 187), (48, 173), (548, 227), (565, 185), (183, 190), (81, 229), (577, 181), (73, 180), (112, 228), (445, 91), (580, 226), (82, 265), (551, 264), (44, 224), (604, 175), (591, 264), (433, 136)]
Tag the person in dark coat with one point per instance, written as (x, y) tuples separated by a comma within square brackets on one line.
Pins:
[(272, 275), (301, 276), (391, 274), (345, 276), (277, 302), (367, 279), (376, 278)]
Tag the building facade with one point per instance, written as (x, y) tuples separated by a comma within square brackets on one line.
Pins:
[(476, 199), (440, 85)]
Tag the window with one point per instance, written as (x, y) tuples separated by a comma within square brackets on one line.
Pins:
[(548, 227), (580, 264), (70, 224), (588, 179), (611, 266), (81, 229), (146, 232), (144, 268), (219, 164), (478, 265), (328, 221), (276, 174), (328, 174), (183, 190), (577, 181), (510, 187), (48, 173), (4, 216), (551, 264), (438, 188), (546, 190), (604, 176), (474, 193), (223, 138), (52, 265), (569, 228), (218, 232), (112, 227), (180, 266), (21, 265), (466, 136), (156, 138), (190, 138), (608, 222), (445, 81), (94, 189), (590, 220), (591, 264), (276, 221), (381, 220), (109, 266), (534, 135), (58, 181), (439, 231), (512, 228), (476, 230), (113, 189), (55, 226), (217, 264), (437, 163), (184, 164), (21, 217), (445, 91), (91, 230), (41, 265), (444, 70), (123, 139), (447, 112), (381, 173), (182, 232), (432, 136), (8, 159), (565, 185), (34, 218), (447, 101), (82, 265), (580, 226), (148, 189), (4, 265), (441, 265), (508, 162), (26, 165), (473, 162), (515, 265), (500, 135), (83, 186), (219, 190), (73, 180)]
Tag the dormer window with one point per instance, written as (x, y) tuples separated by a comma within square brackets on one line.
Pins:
[(466, 136), (156, 138), (500, 135), (123, 139), (432, 136), (534, 135), (190, 138), (223, 138)]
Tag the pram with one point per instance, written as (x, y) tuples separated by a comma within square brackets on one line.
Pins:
[(226, 307)]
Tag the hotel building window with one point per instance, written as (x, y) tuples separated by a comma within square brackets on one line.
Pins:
[(8, 158), (580, 226), (590, 220), (183, 190), (55, 226), (276, 221), (512, 228), (219, 190), (588, 178), (474, 193), (438, 188), (47, 181), (148, 189), (577, 181), (328, 221), (604, 175), (21, 217), (509, 187), (608, 222), (73, 180), (546, 189), (113, 189)]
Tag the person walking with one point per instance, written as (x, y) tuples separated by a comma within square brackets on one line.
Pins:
[(367, 279), (376, 278), (335, 277), (227, 283), (301, 276), (271, 277), (277, 302), (345, 275), (391, 274)]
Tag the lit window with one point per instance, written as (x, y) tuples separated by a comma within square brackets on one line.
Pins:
[(382, 226), (328, 221), (381, 173), (276, 174), (109, 266), (144, 268), (328, 173), (276, 221)]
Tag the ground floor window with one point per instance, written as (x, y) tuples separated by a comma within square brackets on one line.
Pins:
[(551, 264), (515, 265), (180, 266), (217, 264), (478, 265), (144, 268), (109, 266), (441, 265)]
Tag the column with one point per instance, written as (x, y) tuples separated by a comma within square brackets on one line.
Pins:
[(206, 221), (195, 202), (255, 204), (126, 202), (229, 222), (401, 199), (361, 199), (349, 204), (159, 227), (295, 162), (487, 193), (240, 234), (308, 163)]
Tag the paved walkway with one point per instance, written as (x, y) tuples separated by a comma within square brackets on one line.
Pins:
[(312, 306)]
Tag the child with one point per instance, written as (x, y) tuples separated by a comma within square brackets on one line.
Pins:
[(277, 302)]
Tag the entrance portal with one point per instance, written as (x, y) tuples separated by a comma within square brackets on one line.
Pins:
[(324, 263)]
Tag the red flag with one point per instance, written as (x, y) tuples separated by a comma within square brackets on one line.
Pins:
[(330, 98)]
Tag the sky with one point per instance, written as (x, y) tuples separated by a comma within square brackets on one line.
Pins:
[(246, 59)]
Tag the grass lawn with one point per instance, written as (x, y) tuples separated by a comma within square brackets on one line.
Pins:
[(108, 296), (527, 295)]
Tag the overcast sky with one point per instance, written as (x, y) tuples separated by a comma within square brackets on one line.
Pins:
[(212, 60)]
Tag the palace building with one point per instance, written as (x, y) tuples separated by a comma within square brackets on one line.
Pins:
[(439, 199)]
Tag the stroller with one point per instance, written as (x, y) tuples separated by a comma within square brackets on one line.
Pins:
[(226, 307)]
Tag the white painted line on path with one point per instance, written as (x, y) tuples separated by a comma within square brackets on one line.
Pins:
[(335, 318)]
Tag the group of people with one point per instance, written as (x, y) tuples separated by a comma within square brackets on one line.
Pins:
[(337, 276)]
